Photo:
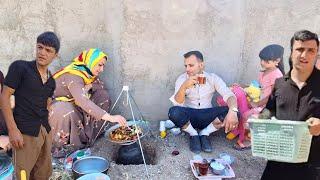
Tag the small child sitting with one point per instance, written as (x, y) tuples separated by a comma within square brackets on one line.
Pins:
[(271, 61)]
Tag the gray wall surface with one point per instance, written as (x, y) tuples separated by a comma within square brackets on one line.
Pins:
[(145, 39)]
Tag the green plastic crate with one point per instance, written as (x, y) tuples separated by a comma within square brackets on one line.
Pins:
[(280, 140)]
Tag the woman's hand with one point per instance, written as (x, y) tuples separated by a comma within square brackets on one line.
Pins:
[(115, 119), (5, 143)]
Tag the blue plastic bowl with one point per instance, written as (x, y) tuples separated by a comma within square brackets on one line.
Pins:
[(6, 167), (90, 164), (93, 176)]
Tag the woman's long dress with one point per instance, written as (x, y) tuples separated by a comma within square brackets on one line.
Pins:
[(78, 121)]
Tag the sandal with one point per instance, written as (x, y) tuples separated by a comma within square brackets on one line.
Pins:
[(231, 136), (241, 146)]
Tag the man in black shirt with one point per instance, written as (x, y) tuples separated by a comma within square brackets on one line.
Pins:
[(296, 96), (28, 127)]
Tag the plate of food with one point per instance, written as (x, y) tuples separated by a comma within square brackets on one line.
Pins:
[(126, 135)]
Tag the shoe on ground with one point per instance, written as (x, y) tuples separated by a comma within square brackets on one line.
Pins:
[(195, 145), (205, 144)]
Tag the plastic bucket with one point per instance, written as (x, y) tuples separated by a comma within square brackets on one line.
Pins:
[(8, 175)]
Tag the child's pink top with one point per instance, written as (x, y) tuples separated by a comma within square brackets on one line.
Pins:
[(267, 80)]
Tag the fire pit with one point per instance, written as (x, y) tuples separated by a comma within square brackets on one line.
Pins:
[(131, 154), (129, 151)]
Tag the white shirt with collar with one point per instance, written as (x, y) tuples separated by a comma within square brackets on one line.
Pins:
[(200, 96)]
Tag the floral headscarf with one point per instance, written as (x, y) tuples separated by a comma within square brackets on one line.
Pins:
[(83, 64)]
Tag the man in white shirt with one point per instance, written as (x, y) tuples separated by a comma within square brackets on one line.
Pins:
[(192, 104)]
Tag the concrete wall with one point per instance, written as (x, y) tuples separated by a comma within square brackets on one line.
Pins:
[(145, 39)]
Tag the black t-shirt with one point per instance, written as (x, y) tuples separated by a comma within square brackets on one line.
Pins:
[(31, 96), (288, 102)]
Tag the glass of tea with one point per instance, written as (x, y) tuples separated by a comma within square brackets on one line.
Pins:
[(203, 168), (201, 79)]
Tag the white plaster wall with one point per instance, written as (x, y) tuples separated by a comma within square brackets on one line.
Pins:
[(145, 39)]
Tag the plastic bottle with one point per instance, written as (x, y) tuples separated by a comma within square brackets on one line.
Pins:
[(162, 129), (23, 175)]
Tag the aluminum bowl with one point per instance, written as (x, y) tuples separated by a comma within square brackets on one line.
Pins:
[(90, 164)]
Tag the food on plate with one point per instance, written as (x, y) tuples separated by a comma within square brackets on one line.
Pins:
[(128, 133)]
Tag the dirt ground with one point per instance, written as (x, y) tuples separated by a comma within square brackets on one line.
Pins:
[(167, 166)]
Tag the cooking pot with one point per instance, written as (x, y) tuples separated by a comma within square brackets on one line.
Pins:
[(90, 164), (131, 154)]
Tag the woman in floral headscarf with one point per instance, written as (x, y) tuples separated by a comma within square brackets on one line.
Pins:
[(80, 102)]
